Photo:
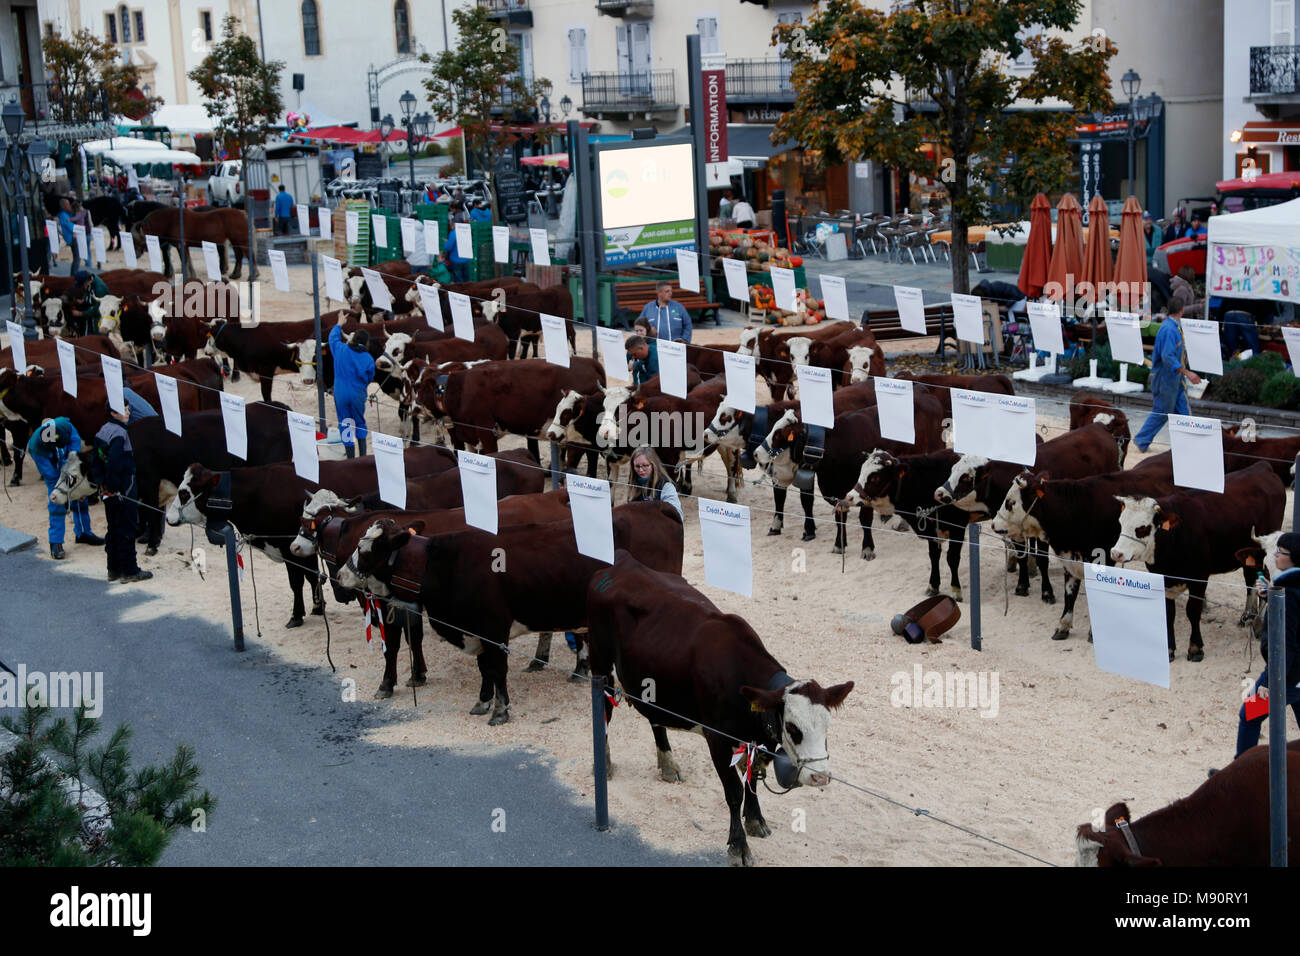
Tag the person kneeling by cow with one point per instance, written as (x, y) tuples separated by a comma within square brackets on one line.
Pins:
[(49, 448), (112, 469), (354, 369)]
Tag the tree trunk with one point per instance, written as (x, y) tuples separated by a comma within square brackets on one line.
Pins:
[(957, 191)]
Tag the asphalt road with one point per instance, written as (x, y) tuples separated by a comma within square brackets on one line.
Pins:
[(296, 783)]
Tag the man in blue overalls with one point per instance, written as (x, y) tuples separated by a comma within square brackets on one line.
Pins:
[(354, 369), (49, 447), (1168, 370)]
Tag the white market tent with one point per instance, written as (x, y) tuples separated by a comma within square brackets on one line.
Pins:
[(1255, 254), (182, 118), (126, 150)]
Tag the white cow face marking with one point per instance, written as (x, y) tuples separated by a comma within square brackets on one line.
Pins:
[(184, 509), (307, 361), (1137, 530), (860, 363), (800, 349), (1086, 851), (959, 489), (1105, 418), (804, 728), (763, 454), (353, 286), (607, 434), (724, 430), (748, 342), (72, 484), (492, 307), (1013, 519), (157, 315), (349, 573), (303, 546), (394, 351), (875, 465), (558, 432), (53, 309)]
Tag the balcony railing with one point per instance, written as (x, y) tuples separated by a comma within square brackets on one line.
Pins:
[(759, 81), (516, 12), (1274, 70), (628, 92), (626, 8), (54, 112)]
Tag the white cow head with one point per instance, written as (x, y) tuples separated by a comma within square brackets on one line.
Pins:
[(607, 435), (53, 309), (860, 363), (110, 314), (350, 577), (184, 508), (1262, 557), (352, 287), (960, 488), (157, 319), (565, 431), (306, 361), (879, 466), (1139, 519), (748, 342), (394, 352), (73, 483), (805, 717), (724, 430), (494, 306), (800, 349), (764, 454), (304, 545)]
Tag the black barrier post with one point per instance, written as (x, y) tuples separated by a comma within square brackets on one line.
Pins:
[(598, 751), (555, 465), (1277, 805), (232, 574), (180, 219), (976, 637), (320, 347), (580, 163)]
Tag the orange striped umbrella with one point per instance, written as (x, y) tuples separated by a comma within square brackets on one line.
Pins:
[(1131, 260), (1066, 267), (1097, 264), (1038, 248)]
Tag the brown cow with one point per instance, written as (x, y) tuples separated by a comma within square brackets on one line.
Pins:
[(1088, 407), (1224, 823), (771, 349), (519, 315), (218, 226), (36, 396), (1242, 449)]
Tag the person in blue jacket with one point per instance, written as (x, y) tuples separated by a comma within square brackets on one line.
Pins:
[(354, 369), (1168, 370), (1288, 579), (283, 210), (49, 447), (480, 212), (458, 264)]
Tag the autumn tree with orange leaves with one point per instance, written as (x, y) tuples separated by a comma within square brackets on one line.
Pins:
[(945, 66)]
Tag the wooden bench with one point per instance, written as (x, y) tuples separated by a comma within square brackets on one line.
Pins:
[(632, 297), (884, 323)]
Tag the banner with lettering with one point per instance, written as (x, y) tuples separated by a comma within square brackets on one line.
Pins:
[(1254, 272)]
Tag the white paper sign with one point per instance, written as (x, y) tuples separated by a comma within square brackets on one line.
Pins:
[(79, 235), (128, 249), (968, 318), (462, 318), (816, 406), (302, 436), (593, 521), (169, 398), (737, 280), (613, 354), (379, 294), (1201, 336), (836, 296), (97, 243), (501, 243), (478, 486), (325, 221), (895, 407), (52, 233), (379, 229), (19, 347), (212, 261), (333, 278), (672, 368), (464, 240), (995, 426), (1291, 334), (233, 417), (556, 340), (911, 308), (113, 382), (431, 240), (67, 364), (304, 219), (279, 270), (390, 464), (728, 561), (1127, 610), (541, 246), (431, 305), (155, 253), (783, 288), (1125, 332), (1045, 323), (1197, 444), (740, 381), (688, 270), (352, 224), (408, 235)]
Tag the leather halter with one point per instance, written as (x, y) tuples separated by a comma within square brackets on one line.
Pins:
[(1123, 826)]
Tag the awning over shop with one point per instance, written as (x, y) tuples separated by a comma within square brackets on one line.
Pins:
[(1280, 132), (350, 136), (550, 159)]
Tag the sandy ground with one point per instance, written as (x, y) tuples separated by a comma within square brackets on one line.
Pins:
[(1067, 739)]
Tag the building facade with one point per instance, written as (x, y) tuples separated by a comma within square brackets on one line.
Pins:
[(1261, 87)]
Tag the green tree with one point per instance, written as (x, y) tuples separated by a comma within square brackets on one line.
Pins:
[(242, 94), (88, 80), (944, 65), (481, 71), (47, 817)]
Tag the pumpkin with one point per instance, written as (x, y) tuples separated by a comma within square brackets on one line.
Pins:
[(796, 261)]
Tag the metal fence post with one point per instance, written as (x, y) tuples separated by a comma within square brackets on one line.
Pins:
[(976, 636), (320, 347), (232, 575), (1277, 804), (180, 220), (555, 465), (1295, 515), (598, 751)]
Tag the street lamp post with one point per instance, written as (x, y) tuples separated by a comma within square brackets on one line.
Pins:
[(407, 101), (12, 154), (1131, 82)]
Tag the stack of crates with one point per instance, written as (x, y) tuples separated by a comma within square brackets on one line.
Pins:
[(483, 266), (358, 253), (438, 212), (393, 236)]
